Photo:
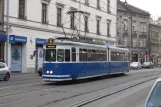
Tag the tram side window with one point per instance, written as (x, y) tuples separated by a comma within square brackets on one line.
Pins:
[(73, 55), (93, 55), (84, 54), (60, 55), (89, 56), (105, 55), (113, 56), (118, 56), (97, 55), (80, 55), (50, 55), (101, 55), (67, 55), (122, 56)]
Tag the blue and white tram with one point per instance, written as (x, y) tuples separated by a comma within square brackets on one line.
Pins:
[(68, 59)]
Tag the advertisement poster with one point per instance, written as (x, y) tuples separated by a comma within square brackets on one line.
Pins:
[(16, 58), (39, 58)]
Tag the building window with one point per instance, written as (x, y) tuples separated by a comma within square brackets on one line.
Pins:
[(125, 41), (98, 27), (59, 16), (87, 2), (44, 13), (86, 24), (125, 25), (72, 20), (108, 6), (134, 26), (108, 29), (143, 27), (22, 9), (98, 4), (134, 42), (143, 42)]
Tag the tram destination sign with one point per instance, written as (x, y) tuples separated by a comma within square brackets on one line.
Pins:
[(51, 46)]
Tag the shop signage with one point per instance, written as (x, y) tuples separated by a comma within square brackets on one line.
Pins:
[(3, 38), (40, 41), (17, 39)]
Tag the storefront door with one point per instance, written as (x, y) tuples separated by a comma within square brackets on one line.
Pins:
[(39, 58), (16, 58)]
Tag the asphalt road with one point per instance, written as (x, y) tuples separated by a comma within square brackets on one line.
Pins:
[(29, 90)]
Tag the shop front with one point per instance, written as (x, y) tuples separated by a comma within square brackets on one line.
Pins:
[(18, 52), (3, 39), (39, 53)]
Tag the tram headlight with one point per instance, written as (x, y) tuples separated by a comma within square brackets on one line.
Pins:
[(47, 72), (51, 72)]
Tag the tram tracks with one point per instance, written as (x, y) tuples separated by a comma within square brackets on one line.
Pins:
[(95, 98), (50, 91), (107, 94)]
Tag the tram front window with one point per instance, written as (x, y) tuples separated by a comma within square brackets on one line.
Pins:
[(50, 55), (60, 55)]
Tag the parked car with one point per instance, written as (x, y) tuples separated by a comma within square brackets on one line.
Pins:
[(148, 65), (4, 72), (135, 65), (40, 71), (154, 97)]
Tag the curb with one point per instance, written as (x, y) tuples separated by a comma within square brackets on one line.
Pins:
[(23, 73)]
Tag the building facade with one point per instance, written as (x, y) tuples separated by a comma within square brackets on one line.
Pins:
[(3, 37), (155, 41), (32, 22), (133, 31)]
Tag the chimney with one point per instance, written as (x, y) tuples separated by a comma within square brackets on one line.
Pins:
[(125, 2)]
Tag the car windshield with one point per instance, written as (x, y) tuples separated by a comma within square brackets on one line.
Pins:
[(134, 63), (2, 65), (146, 63), (155, 97)]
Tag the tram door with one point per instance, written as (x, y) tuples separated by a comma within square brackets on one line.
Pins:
[(39, 57)]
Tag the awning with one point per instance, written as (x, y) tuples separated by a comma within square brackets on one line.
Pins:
[(17, 39), (3, 38)]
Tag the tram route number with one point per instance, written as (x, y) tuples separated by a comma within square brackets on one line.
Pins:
[(51, 46)]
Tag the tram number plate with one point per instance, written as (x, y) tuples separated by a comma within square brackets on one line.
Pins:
[(51, 46)]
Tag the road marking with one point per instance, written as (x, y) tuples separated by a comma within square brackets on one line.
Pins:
[(21, 85)]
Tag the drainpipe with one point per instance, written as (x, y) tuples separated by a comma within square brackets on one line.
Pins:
[(131, 37), (7, 32)]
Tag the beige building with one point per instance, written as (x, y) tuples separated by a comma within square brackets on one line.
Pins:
[(133, 31), (3, 37), (155, 41)]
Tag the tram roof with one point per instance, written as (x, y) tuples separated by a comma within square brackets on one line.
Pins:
[(73, 41), (118, 49)]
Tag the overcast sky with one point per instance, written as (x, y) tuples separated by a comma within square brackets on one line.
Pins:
[(152, 6)]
